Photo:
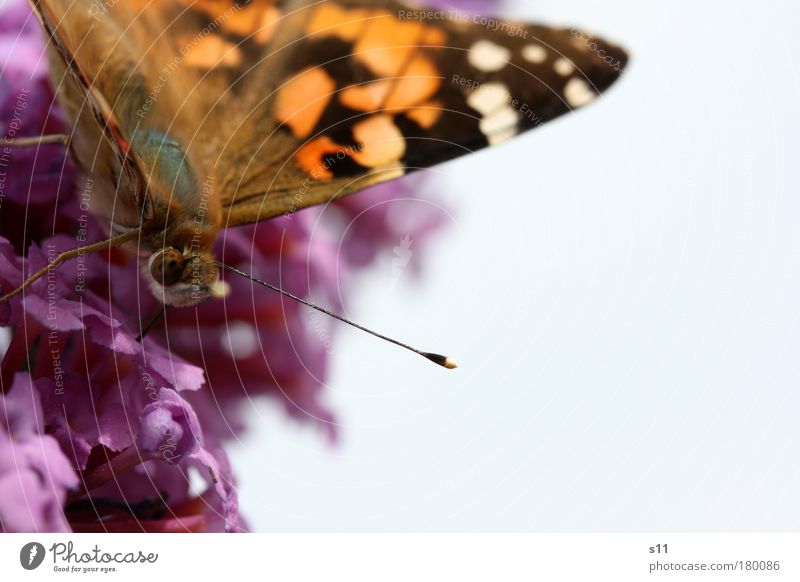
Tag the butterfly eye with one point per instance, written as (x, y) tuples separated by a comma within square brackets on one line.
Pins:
[(167, 266)]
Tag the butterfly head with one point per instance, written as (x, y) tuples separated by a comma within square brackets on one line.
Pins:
[(184, 277), (180, 224)]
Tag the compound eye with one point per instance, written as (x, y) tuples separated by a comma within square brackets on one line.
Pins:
[(167, 266)]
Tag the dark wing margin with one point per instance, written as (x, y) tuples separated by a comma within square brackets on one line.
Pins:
[(370, 92)]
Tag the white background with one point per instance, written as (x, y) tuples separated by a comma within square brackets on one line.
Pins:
[(622, 290)]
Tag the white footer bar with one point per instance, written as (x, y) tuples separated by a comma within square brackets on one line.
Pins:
[(401, 557)]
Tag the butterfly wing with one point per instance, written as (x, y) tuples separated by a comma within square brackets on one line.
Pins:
[(135, 77), (352, 93), (110, 148), (280, 105)]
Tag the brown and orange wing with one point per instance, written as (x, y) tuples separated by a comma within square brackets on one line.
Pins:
[(283, 104), (144, 66), (364, 92), (88, 100)]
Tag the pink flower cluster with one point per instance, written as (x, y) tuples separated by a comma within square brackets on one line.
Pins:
[(101, 432)]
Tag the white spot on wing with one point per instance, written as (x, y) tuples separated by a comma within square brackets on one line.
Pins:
[(488, 57), (534, 53), (488, 98), (578, 93), (499, 120), (501, 125), (563, 67)]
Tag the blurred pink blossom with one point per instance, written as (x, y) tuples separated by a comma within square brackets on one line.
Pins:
[(100, 432)]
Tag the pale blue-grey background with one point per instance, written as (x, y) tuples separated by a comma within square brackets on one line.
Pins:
[(622, 290)]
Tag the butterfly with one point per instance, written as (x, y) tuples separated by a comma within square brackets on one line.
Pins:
[(193, 116)]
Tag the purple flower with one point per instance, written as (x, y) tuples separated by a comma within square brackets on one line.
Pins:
[(107, 433), (35, 475), (169, 427), (384, 216)]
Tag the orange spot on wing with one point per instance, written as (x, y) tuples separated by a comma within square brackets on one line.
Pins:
[(426, 115), (255, 21), (212, 51), (419, 82), (213, 8), (333, 20), (435, 37), (310, 157), (381, 141), (374, 30), (367, 97), (389, 48), (301, 102), (388, 43)]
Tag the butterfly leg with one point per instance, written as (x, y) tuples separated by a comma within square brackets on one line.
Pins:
[(150, 324), (66, 256), (24, 142)]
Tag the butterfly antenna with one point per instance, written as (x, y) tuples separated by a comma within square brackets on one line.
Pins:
[(443, 361), (71, 254)]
